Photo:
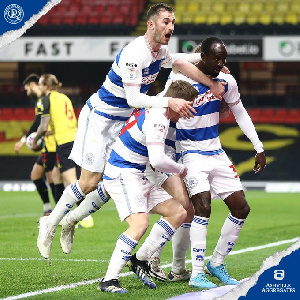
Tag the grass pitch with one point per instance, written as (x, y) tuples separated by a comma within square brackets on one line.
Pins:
[(273, 218)]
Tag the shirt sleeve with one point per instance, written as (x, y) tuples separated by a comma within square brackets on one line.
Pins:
[(43, 106), (232, 95), (35, 125), (156, 128), (244, 121)]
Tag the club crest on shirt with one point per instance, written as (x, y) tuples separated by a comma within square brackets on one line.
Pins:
[(132, 70)]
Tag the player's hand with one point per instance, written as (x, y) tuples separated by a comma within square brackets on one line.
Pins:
[(34, 146), (183, 107), (184, 173), (18, 146), (260, 162), (218, 89), (224, 110), (225, 70)]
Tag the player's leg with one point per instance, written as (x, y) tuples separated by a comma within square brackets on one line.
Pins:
[(173, 214), (227, 185), (175, 186), (49, 162), (124, 190), (198, 187), (37, 177), (58, 183)]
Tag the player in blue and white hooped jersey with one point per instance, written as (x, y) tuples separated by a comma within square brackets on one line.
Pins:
[(101, 119), (210, 170), (198, 146), (142, 141)]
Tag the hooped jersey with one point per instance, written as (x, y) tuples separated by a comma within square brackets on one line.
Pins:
[(130, 150), (200, 134), (136, 64), (63, 122)]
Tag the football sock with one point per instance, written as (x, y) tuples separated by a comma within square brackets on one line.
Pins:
[(180, 244), (162, 231), (70, 196), (52, 186), (59, 189), (92, 202), (42, 189), (47, 206), (122, 253), (198, 243), (229, 235)]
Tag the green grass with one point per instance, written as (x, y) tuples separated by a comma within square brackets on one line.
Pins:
[(273, 217)]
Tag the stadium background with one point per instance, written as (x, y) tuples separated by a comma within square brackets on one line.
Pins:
[(78, 39)]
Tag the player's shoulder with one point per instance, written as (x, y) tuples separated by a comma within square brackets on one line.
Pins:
[(156, 115), (227, 77)]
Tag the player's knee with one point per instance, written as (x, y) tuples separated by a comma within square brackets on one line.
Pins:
[(88, 186), (179, 217), (241, 213)]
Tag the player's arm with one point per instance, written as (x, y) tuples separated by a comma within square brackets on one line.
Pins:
[(190, 70), (132, 79), (33, 128), (244, 121), (43, 109), (155, 129)]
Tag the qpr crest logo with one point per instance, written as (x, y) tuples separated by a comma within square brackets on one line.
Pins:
[(13, 14), (89, 158), (192, 182)]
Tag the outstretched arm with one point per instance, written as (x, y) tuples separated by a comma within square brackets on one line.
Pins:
[(244, 121)]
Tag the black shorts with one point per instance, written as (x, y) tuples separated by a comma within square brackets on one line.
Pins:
[(47, 160), (62, 157)]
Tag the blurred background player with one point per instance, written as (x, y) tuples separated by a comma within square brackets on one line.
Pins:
[(47, 159)]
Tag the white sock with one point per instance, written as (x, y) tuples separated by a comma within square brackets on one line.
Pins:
[(122, 253), (70, 196), (180, 244), (198, 243), (47, 206), (92, 202), (162, 231), (229, 235)]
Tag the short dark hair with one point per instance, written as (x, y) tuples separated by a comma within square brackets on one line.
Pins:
[(206, 44), (155, 9), (181, 89), (31, 78)]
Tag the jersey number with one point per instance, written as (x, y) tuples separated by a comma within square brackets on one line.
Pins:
[(69, 112)]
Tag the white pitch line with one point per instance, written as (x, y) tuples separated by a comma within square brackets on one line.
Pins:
[(52, 259), (82, 283)]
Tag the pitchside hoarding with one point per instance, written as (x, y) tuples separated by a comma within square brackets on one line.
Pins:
[(238, 49), (281, 48), (66, 49)]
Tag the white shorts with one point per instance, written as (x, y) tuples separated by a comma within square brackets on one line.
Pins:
[(133, 193), (214, 173), (94, 139), (155, 176)]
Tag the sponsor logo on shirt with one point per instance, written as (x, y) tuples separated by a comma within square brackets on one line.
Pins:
[(202, 99), (149, 79)]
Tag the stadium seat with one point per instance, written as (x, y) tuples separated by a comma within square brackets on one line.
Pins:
[(292, 18)]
